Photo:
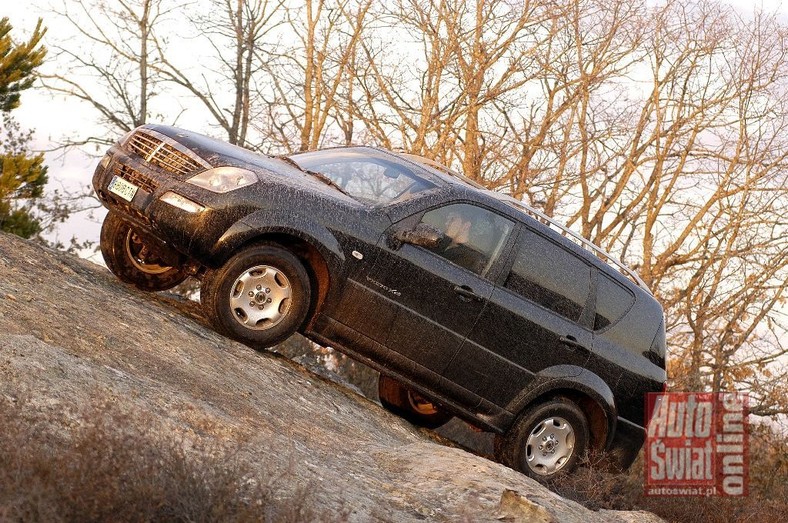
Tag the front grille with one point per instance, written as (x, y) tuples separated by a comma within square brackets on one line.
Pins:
[(159, 152), (142, 181)]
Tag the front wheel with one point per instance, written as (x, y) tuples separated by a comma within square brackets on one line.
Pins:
[(410, 405), (260, 296), (135, 259), (547, 441)]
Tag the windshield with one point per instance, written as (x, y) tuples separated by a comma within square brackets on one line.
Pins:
[(442, 169), (367, 178)]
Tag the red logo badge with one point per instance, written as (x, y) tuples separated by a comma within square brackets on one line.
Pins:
[(696, 444)]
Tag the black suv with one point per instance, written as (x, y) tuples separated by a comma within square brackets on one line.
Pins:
[(468, 302)]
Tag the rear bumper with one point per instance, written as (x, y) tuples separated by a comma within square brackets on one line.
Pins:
[(627, 442)]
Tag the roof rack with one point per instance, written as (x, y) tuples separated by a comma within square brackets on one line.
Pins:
[(539, 216), (567, 233)]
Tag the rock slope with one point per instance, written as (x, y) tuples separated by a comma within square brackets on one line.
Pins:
[(72, 335)]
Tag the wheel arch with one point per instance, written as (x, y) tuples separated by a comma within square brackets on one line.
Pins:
[(117, 235), (312, 243), (312, 259), (589, 392), (597, 418)]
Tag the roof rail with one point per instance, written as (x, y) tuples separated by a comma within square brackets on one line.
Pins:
[(567, 233), (539, 216)]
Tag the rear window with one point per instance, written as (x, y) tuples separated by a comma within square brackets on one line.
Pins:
[(612, 302), (549, 275)]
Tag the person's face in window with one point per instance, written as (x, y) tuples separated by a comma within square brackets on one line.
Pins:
[(457, 228)]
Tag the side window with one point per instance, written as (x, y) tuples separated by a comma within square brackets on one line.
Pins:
[(472, 237), (612, 302), (551, 276)]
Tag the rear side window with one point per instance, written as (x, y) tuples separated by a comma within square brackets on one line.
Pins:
[(549, 275), (612, 302)]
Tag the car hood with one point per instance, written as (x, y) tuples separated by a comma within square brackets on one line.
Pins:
[(217, 152)]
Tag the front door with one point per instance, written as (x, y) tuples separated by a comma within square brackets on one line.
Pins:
[(440, 292)]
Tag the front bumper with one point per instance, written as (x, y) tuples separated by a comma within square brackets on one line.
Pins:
[(193, 234)]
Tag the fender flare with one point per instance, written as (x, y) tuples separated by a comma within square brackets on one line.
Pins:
[(563, 378), (263, 222)]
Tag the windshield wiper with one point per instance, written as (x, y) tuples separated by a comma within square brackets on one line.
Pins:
[(290, 161), (328, 181), (320, 176)]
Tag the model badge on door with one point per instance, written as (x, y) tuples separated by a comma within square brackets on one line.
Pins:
[(386, 288)]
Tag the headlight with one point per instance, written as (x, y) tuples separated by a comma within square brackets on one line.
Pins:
[(224, 179)]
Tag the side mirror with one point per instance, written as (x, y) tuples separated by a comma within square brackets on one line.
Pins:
[(423, 235)]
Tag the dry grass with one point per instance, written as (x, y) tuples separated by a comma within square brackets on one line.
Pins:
[(107, 468), (768, 499)]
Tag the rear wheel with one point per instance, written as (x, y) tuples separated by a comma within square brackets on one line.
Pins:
[(410, 405), (137, 259), (260, 296), (547, 441)]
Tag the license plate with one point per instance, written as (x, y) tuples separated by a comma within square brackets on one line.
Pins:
[(122, 188)]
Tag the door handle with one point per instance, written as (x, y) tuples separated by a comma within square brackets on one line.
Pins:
[(466, 293), (571, 341)]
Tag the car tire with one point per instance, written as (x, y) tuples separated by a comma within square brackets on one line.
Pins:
[(260, 297), (547, 441), (134, 261), (410, 405)]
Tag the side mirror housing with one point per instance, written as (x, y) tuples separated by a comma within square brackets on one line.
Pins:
[(423, 235)]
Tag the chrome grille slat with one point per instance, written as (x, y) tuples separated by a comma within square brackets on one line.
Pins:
[(161, 153), (137, 178)]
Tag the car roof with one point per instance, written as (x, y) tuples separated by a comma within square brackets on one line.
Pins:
[(521, 210)]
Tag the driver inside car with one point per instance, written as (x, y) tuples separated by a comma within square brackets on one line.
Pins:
[(455, 246)]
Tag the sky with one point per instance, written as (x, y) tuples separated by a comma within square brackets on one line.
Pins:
[(52, 118), (56, 117)]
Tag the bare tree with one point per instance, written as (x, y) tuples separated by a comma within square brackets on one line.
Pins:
[(312, 79), (683, 175), (235, 31), (111, 69), (472, 59)]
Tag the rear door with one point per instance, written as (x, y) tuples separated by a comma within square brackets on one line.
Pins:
[(535, 320)]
